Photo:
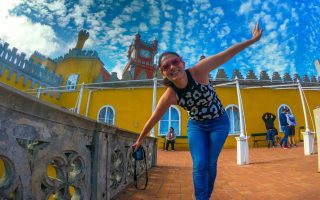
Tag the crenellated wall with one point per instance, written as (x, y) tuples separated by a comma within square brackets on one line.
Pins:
[(90, 54), (263, 76), (10, 59), (15, 68), (47, 152)]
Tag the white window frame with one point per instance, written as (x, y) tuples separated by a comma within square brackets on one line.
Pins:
[(230, 106), (169, 120), (72, 85), (114, 114)]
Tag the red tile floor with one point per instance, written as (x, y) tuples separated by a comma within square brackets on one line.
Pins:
[(272, 174)]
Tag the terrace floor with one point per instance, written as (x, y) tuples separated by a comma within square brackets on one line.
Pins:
[(272, 174)]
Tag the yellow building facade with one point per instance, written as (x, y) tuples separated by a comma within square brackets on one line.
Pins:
[(78, 82)]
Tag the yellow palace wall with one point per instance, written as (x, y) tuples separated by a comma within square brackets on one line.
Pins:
[(26, 88), (87, 69), (133, 107)]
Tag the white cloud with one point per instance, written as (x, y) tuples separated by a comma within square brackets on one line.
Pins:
[(113, 47), (265, 6), (294, 15), (224, 31), (179, 31), (218, 11), (216, 20), (191, 23), (117, 21), (5, 6), (78, 15), (165, 35), (163, 46), (279, 16), (168, 15), (143, 27), (125, 17), (134, 29), (57, 7), (154, 12), (283, 27), (20, 32), (167, 26), (257, 17), (193, 12), (245, 8), (135, 6), (86, 2), (223, 44), (273, 35), (118, 69), (205, 5)]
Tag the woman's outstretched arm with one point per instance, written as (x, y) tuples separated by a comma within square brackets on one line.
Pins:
[(166, 100), (208, 64)]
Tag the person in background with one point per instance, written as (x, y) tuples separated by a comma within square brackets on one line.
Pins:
[(292, 124), (170, 139), (285, 128), (276, 137), (269, 119)]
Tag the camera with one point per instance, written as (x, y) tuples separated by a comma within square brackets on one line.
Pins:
[(138, 155)]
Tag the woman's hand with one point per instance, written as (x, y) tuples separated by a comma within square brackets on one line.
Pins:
[(137, 144), (256, 33)]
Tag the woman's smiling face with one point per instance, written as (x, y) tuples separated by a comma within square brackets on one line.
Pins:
[(171, 66)]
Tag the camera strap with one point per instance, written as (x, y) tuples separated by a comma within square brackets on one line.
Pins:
[(135, 176)]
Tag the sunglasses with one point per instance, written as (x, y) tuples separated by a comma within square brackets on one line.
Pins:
[(168, 65)]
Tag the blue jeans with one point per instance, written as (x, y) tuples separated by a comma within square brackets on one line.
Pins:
[(206, 139), (270, 136), (284, 140)]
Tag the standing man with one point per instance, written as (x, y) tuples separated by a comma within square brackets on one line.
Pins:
[(268, 119), (285, 128), (170, 139)]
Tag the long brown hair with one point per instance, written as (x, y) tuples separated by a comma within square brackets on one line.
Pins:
[(166, 81)]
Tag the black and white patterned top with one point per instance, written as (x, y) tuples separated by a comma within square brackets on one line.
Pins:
[(201, 101)]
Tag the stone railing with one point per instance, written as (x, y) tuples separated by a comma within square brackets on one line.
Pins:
[(47, 152), (14, 62)]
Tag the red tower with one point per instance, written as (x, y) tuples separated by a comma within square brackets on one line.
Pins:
[(141, 59)]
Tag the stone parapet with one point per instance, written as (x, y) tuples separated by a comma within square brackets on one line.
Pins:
[(45, 150)]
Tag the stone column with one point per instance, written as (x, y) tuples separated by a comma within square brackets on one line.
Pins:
[(154, 101), (308, 137), (242, 141), (80, 98), (242, 150), (316, 113)]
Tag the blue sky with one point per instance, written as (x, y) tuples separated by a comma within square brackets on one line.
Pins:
[(191, 28)]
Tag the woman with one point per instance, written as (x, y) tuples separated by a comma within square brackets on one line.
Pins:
[(208, 123), (170, 138)]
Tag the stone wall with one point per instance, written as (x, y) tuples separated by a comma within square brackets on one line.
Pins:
[(91, 158)]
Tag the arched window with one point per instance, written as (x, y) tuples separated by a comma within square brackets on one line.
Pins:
[(233, 114), (279, 112), (106, 115), (72, 82), (170, 118)]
